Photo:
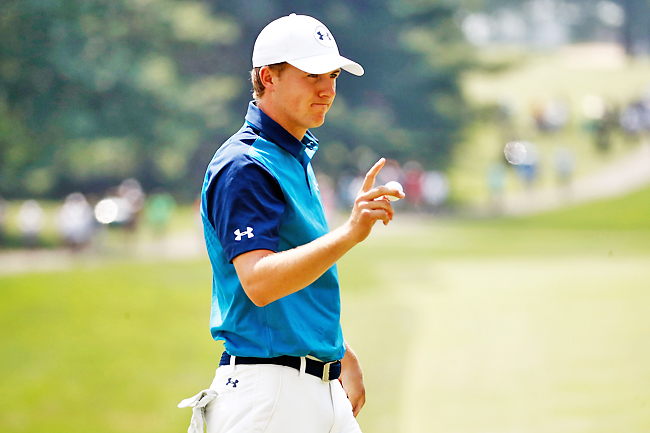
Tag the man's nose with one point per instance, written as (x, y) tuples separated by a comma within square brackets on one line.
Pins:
[(328, 88)]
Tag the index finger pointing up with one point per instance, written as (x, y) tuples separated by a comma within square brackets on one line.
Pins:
[(369, 181)]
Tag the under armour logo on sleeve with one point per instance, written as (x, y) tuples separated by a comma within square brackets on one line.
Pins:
[(248, 232)]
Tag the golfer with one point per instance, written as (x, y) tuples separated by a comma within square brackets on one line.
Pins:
[(275, 296)]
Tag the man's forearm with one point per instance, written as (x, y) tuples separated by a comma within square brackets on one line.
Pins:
[(267, 276)]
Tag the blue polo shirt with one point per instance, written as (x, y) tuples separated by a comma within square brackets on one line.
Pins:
[(260, 192)]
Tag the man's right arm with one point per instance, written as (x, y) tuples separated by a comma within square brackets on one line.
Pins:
[(267, 276)]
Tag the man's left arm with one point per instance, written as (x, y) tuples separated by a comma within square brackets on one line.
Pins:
[(352, 380)]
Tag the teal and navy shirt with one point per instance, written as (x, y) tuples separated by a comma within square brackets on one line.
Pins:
[(260, 192)]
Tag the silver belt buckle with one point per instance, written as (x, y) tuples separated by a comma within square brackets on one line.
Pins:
[(326, 371)]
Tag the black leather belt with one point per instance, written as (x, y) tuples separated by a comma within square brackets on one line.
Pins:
[(323, 370)]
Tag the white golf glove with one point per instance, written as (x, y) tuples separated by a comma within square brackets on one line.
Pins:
[(198, 404)]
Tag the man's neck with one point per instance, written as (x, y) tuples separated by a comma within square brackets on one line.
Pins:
[(269, 109)]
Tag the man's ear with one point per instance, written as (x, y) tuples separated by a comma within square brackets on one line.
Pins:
[(267, 77)]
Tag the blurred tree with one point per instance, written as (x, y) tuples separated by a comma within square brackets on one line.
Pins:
[(90, 92)]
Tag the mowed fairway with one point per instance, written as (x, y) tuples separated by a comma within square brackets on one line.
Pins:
[(460, 326), (549, 332)]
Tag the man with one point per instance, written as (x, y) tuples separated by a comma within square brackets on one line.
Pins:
[(275, 299)]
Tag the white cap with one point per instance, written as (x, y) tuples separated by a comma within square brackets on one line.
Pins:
[(303, 42)]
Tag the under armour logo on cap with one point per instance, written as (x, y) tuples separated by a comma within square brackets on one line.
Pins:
[(323, 36), (248, 232)]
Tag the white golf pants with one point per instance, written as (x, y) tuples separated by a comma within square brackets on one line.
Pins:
[(271, 399)]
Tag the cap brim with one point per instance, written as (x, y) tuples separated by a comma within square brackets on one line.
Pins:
[(326, 63)]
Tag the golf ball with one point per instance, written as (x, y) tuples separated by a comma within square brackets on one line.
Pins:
[(515, 152), (394, 185)]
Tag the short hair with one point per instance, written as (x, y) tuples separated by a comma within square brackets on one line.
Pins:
[(258, 87)]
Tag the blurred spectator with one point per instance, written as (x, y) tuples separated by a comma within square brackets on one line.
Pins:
[(635, 118), (327, 194), (504, 118), (496, 182), (528, 170), (556, 115), (603, 129), (159, 210), (31, 220), (414, 177), (550, 116), (75, 221), (506, 110), (435, 189), (564, 162), (122, 210), (123, 207), (593, 107), (131, 191), (348, 188), (601, 120), (196, 211), (537, 111), (113, 210), (390, 172)]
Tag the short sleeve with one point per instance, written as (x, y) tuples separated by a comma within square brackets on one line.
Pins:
[(245, 205)]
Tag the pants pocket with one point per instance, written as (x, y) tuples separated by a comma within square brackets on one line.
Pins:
[(247, 397)]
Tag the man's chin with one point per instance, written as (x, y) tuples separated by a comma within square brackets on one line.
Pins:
[(318, 121)]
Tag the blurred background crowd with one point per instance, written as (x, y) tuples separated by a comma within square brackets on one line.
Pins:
[(78, 222)]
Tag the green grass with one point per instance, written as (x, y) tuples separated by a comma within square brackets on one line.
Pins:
[(461, 326), (103, 349), (630, 212)]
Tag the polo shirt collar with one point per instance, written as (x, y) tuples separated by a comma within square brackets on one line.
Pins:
[(280, 136)]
